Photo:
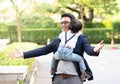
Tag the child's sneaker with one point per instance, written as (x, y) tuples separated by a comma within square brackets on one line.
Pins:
[(84, 76)]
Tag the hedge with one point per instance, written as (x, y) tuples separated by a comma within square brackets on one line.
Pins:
[(96, 35), (40, 35), (116, 28)]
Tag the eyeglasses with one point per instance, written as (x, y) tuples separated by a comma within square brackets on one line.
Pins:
[(66, 22)]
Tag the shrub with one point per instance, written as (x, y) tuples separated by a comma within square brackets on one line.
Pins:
[(88, 25), (116, 26), (12, 31), (98, 35), (93, 25), (116, 31), (3, 27), (107, 24)]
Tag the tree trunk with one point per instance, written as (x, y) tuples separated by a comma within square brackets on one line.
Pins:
[(19, 21), (82, 15), (91, 14), (19, 27)]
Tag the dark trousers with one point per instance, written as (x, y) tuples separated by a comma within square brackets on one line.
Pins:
[(72, 80)]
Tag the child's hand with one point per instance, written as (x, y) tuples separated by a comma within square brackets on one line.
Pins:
[(68, 46)]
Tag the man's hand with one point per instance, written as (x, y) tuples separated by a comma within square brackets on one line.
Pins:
[(16, 54), (99, 46)]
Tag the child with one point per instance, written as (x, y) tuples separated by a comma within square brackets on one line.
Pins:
[(65, 51)]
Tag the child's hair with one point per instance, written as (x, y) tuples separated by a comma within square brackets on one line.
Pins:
[(75, 26)]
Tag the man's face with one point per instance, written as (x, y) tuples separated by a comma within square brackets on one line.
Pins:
[(65, 22)]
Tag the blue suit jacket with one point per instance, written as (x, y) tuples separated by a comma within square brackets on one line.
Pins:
[(82, 46)]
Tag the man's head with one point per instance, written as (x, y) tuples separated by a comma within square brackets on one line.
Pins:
[(66, 19)]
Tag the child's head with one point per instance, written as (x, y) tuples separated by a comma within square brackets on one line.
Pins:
[(75, 26)]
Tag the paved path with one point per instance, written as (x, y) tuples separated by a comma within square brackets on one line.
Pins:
[(106, 68), (43, 73)]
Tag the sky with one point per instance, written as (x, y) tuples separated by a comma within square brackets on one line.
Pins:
[(7, 3), (49, 1), (4, 4)]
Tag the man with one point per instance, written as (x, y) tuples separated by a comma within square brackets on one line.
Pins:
[(65, 72)]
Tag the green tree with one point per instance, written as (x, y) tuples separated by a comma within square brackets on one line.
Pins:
[(38, 21), (84, 7), (20, 7), (40, 16)]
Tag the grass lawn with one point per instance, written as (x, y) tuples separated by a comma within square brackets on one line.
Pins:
[(6, 60)]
